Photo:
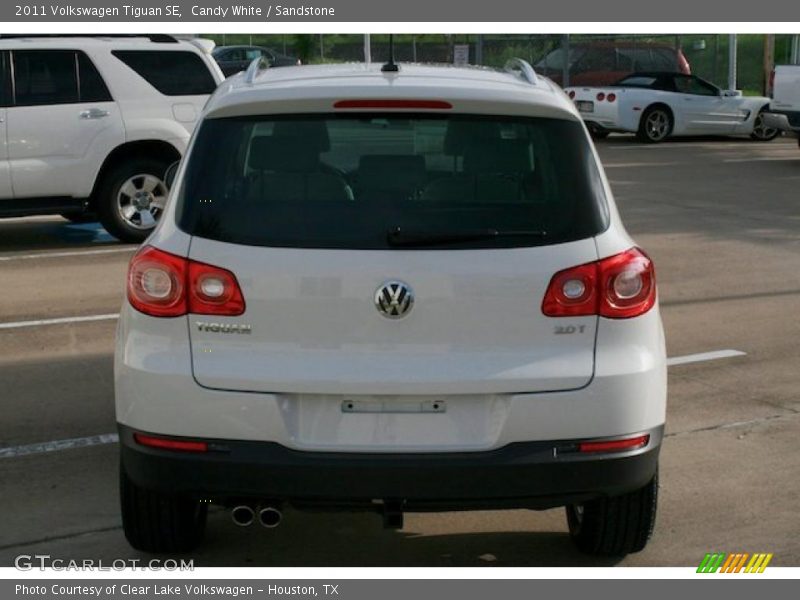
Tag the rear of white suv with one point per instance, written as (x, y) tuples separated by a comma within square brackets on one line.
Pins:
[(394, 292)]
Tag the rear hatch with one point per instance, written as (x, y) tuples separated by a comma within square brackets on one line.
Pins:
[(325, 220)]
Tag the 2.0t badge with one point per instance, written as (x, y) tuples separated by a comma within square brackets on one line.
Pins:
[(394, 299)]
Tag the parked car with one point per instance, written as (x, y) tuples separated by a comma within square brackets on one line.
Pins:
[(89, 124), (657, 105), (604, 62), (233, 59), (337, 312), (784, 108)]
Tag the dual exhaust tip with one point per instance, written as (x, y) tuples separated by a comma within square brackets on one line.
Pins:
[(244, 515)]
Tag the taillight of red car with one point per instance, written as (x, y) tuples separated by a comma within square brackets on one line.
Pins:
[(618, 287), (161, 284)]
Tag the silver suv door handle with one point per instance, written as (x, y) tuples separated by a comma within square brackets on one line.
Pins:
[(93, 113)]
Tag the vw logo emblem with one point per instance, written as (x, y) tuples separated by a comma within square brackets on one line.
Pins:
[(394, 299)]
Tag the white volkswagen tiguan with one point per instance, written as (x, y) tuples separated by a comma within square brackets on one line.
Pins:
[(392, 291)]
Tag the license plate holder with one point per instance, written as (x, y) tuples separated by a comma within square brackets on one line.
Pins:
[(394, 406), (585, 106)]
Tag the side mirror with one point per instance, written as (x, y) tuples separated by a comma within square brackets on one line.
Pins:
[(169, 174), (731, 93)]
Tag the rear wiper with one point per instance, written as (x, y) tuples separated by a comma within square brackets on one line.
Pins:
[(402, 237)]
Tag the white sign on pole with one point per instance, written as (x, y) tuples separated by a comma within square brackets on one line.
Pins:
[(461, 54)]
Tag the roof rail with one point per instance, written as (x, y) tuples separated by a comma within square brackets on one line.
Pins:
[(160, 38), (524, 68), (255, 69)]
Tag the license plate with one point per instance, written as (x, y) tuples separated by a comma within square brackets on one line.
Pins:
[(585, 106)]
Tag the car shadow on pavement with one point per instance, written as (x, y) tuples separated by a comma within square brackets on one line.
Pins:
[(358, 540), (45, 233)]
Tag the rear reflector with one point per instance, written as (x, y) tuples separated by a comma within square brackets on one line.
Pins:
[(168, 444), (388, 103), (615, 445)]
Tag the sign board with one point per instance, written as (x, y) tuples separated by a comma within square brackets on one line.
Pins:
[(461, 54)]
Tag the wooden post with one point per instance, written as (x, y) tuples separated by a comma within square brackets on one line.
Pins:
[(769, 61)]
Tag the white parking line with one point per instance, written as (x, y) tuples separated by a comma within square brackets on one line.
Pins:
[(58, 321), (113, 438), (761, 159), (114, 250), (640, 164), (41, 448), (703, 356)]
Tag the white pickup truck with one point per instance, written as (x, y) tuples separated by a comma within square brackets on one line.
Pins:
[(784, 110)]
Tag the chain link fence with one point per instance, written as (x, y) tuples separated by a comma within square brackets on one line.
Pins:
[(581, 59)]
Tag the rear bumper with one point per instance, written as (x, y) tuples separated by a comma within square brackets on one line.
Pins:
[(786, 122), (535, 475)]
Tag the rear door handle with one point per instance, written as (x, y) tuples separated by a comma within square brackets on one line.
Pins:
[(93, 113)]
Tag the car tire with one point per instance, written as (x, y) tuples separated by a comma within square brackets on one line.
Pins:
[(761, 133), (615, 526), (131, 198), (598, 133), (656, 125), (160, 523)]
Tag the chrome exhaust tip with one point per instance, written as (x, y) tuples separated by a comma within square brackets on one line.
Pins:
[(270, 517), (242, 515)]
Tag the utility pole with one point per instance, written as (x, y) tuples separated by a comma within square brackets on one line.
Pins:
[(367, 49), (732, 61), (565, 65)]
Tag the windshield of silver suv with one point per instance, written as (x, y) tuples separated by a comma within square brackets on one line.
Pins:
[(385, 181)]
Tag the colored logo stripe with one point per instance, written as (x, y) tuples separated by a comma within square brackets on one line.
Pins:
[(711, 562), (758, 563), (734, 563)]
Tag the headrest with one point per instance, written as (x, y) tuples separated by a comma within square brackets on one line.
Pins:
[(313, 133), (284, 154)]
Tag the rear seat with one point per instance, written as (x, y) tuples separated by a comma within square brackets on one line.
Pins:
[(288, 169), (494, 170)]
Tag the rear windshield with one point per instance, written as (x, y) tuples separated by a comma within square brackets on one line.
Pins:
[(391, 181)]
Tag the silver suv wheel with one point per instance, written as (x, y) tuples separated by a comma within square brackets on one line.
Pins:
[(141, 200)]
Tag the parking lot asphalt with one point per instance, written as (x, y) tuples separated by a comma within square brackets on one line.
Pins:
[(720, 218)]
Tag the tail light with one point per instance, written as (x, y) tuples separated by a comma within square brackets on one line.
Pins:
[(161, 284), (618, 287), (771, 84), (572, 94), (600, 96), (611, 97)]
